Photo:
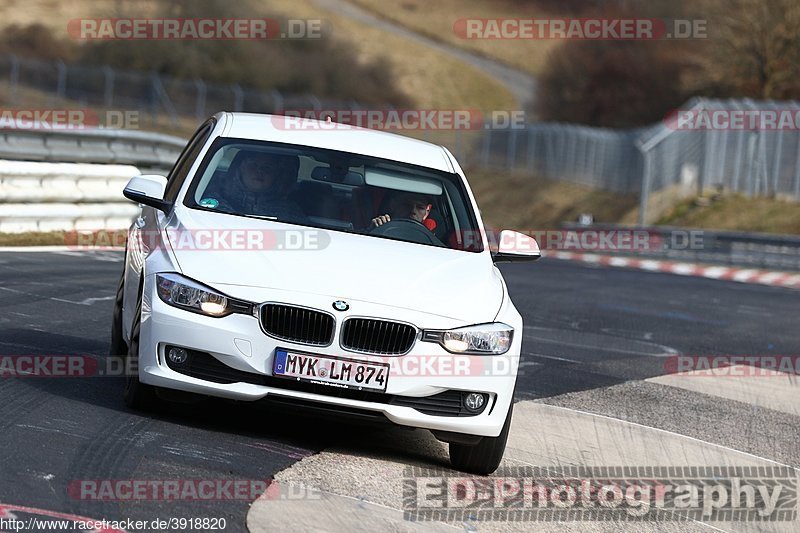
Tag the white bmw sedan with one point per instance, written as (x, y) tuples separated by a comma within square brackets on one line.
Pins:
[(323, 266)]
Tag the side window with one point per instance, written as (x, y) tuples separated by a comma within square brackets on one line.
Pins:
[(184, 163)]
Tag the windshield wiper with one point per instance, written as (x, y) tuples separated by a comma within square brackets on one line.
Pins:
[(264, 217)]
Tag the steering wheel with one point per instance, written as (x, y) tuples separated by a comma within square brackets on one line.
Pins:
[(407, 229)]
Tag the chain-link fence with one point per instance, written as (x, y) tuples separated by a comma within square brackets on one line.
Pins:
[(147, 92), (754, 156), (743, 146), (596, 157)]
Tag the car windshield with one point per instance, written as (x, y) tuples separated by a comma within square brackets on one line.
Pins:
[(336, 191)]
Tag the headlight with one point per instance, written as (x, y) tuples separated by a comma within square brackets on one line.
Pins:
[(184, 293), (488, 339)]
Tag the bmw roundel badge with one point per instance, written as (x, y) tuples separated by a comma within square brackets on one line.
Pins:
[(341, 305)]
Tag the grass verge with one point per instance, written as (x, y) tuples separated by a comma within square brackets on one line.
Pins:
[(736, 213), (37, 238), (524, 202), (97, 240)]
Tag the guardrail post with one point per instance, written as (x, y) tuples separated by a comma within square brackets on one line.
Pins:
[(587, 166), (13, 78), (709, 153), (277, 100), (797, 172), (776, 170), (61, 89), (550, 155), (511, 151), (600, 161), (487, 143), (721, 153), (159, 92), (238, 97), (644, 194), (108, 93), (751, 164), (762, 178), (592, 160), (737, 165), (531, 148), (200, 102), (570, 157)]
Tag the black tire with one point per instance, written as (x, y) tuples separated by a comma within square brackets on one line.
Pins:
[(482, 458), (118, 347), (138, 395)]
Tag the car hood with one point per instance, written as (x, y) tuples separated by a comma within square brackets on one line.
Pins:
[(460, 285)]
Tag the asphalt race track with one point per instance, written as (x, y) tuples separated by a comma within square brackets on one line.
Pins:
[(596, 340)]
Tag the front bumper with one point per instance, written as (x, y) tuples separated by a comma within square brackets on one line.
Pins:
[(238, 342)]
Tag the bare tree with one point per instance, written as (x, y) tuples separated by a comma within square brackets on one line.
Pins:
[(754, 48)]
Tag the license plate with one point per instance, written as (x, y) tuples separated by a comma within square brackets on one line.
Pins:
[(332, 371)]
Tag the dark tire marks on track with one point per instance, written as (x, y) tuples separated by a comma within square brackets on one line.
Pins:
[(19, 400), (56, 431)]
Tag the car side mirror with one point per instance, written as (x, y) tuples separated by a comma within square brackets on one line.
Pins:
[(513, 246), (148, 189)]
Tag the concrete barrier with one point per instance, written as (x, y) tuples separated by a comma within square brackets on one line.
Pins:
[(36, 196)]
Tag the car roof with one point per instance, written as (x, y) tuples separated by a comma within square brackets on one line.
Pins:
[(318, 134)]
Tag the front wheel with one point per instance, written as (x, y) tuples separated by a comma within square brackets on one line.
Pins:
[(118, 346), (482, 458), (138, 395)]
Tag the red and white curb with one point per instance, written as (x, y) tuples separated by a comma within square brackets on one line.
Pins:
[(743, 275)]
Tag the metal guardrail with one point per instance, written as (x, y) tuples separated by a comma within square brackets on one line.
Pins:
[(150, 152), (148, 92), (754, 250), (751, 157)]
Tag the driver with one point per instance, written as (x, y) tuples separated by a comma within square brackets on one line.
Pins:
[(405, 205)]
